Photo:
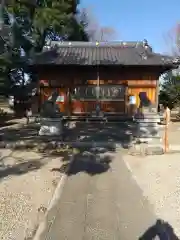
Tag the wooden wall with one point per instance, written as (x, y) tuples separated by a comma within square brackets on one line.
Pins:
[(137, 81), (135, 87)]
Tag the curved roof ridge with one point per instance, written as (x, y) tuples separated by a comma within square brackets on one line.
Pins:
[(94, 44)]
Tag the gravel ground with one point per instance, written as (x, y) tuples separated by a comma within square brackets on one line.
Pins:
[(159, 178), (26, 188)]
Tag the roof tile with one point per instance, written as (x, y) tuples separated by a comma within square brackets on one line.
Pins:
[(88, 53)]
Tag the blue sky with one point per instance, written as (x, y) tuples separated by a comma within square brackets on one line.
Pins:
[(138, 19)]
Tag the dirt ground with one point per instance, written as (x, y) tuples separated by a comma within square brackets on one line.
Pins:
[(173, 133), (27, 184), (158, 176), (159, 179), (27, 179)]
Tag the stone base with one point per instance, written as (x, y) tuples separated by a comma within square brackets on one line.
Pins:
[(51, 127), (95, 114), (153, 140), (147, 128), (146, 149)]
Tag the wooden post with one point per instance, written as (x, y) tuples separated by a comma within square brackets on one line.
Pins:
[(167, 121), (166, 145)]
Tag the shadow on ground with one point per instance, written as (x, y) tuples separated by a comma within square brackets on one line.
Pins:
[(175, 120), (89, 160), (162, 230), (102, 133), (6, 123), (24, 133), (83, 132), (6, 119), (19, 167), (93, 143)]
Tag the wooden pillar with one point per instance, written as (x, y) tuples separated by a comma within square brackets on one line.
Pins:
[(126, 100), (157, 94)]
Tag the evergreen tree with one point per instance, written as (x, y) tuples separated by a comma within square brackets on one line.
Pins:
[(170, 90), (25, 27)]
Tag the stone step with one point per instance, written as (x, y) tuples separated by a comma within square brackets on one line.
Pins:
[(149, 139), (148, 130), (147, 115), (145, 134), (153, 119), (146, 149)]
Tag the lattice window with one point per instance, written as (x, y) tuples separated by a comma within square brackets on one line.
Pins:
[(103, 92)]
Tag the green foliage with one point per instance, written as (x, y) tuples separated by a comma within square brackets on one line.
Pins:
[(45, 17), (4, 73), (170, 90), (34, 21)]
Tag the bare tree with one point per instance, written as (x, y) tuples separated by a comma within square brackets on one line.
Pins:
[(172, 39), (95, 31), (105, 34)]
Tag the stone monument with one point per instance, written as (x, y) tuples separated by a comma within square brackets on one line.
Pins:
[(51, 118), (147, 121)]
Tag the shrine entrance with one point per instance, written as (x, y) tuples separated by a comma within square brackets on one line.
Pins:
[(109, 98), (83, 99)]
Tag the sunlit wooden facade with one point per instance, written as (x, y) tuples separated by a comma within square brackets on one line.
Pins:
[(110, 83)]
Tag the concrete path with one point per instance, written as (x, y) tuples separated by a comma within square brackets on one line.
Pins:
[(100, 200)]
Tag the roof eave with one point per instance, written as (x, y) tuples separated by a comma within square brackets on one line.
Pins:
[(162, 65), (169, 67)]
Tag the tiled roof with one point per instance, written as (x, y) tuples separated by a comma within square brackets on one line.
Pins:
[(88, 53)]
